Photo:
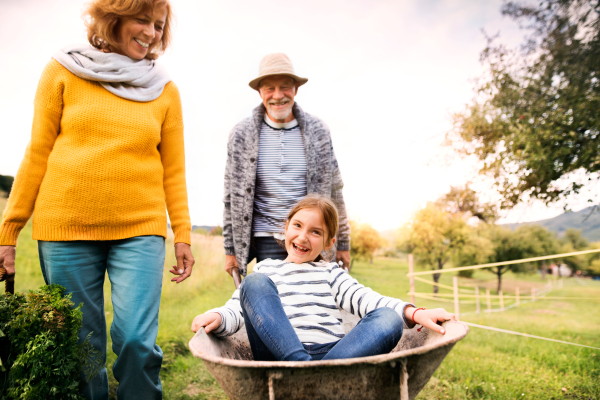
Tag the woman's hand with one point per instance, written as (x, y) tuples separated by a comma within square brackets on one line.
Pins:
[(7, 261), (210, 321), (185, 262), (429, 318)]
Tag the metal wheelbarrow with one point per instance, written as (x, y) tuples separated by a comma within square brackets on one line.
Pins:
[(401, 374)]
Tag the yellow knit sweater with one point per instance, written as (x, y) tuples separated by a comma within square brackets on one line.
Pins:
[(99, 167)]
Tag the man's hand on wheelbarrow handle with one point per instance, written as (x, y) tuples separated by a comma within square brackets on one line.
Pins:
[(230, 263)]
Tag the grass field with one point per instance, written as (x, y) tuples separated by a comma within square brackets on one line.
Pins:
[(484, 365)]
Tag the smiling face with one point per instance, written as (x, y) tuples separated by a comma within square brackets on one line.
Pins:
[(306, 236), (138, 35), (277, 93)]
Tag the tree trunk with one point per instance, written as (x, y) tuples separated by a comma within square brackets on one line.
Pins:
[(436, 277), (544, 269), (499, 273)]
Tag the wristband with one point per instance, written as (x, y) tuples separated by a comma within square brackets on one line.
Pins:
[(414, 312), (413, 317)]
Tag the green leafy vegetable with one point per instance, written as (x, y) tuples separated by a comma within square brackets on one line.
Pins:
[(40, 357)]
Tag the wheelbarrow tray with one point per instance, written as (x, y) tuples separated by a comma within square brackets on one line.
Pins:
[(400, 374)]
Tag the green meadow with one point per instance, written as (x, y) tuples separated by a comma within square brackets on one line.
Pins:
[(484, 365)]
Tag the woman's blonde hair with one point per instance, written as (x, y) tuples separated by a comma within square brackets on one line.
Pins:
[(328, 211), (102, 19)]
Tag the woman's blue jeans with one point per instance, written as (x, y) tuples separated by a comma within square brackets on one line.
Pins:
[(135, 269), (272, 337)]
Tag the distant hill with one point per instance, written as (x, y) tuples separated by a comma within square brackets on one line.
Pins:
[(590, 227), (207, 228)]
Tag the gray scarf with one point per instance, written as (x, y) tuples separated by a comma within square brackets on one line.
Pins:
[(142, 80)]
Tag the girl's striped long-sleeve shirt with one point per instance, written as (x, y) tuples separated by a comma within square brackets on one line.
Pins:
[(312, 295)]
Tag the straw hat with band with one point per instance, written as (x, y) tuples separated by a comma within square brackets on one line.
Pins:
[(276, 64)]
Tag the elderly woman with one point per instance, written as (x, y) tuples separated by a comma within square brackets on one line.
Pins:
[(105, 160)]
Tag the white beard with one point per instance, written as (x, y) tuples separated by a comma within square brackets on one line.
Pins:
[(280, 114)]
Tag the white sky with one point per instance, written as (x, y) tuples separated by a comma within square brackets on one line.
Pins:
[(384, 75)]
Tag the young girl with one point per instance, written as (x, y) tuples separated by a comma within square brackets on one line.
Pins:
[(291, 307)]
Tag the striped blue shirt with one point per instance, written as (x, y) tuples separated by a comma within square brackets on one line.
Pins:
[(280, 175), (312, 295)]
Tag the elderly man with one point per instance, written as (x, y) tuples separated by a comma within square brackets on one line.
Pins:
[(275, 158)]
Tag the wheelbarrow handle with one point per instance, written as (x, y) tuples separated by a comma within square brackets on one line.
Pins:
[(9, 285), (235, 273)]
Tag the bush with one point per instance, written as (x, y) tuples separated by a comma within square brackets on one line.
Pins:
[(391, 253), (364, 241), (40, 356), (216, 231), (466, 273)]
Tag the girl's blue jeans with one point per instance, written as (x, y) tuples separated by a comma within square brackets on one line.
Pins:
[(135, 269), (272, 337)]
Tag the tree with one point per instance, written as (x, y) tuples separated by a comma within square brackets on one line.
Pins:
[(364, 241), (216, 231), (574, 238), (535, 122), (478, 249), (592, 265), (466, 201), (433, 236), (201, 231), (574, 241), (506, 247), (536, 241)]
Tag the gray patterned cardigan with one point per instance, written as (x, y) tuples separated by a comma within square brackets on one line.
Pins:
[(322, 176)]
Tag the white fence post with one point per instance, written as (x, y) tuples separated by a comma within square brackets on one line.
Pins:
[(411, 269), (456, 310)]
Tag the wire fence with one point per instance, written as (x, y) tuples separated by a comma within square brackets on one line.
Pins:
[(474, 296), (491, 328), (484, 301), (501, 263)]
